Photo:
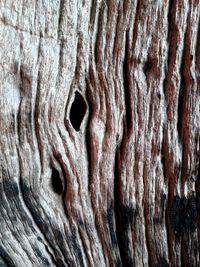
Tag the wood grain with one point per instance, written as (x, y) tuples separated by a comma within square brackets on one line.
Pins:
[(100, 133)]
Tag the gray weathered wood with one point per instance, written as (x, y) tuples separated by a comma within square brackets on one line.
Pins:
[(123, 188)]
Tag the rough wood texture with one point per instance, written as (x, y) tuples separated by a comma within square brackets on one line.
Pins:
[(100, 133)]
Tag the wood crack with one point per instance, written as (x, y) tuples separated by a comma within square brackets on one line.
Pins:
[(126, 78)]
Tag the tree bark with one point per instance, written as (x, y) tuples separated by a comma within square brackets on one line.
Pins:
[(100, 133)]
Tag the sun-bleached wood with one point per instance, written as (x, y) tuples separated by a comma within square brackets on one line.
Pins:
[(100, 133)]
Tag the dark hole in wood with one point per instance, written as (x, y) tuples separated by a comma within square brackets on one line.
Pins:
[(56, 182), (77, 111)]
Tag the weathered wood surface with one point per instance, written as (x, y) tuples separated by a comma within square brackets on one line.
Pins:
[(99, 121)]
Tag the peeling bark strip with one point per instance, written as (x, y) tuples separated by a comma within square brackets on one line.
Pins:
[(100, 133)]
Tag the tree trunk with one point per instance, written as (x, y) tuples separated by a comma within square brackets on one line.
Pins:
[(100, 133)]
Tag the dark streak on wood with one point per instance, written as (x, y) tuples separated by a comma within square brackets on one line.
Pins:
[(88, 136), (162, 263), (43, 260), (110, 219), (184, 256), (72, 239), (123, 218), (150, 248), (173, 38), (197, 189), (183, 215), (36, 118), (184, 102), (169, 176), (98, 44), (7, 258), (60, 18), (26, 193), (127, 89), (197, 56), (93, 14)]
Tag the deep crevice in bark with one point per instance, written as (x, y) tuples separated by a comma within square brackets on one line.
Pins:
[(167, 176), (60, 18), (88, 135), (98, 44), (197, 51), (147, 220), (124, 219), (126, 77), (169, 18), (186, 84), (110, 218), (180, 110), (36, 116), (117, 209), (172, 41)]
